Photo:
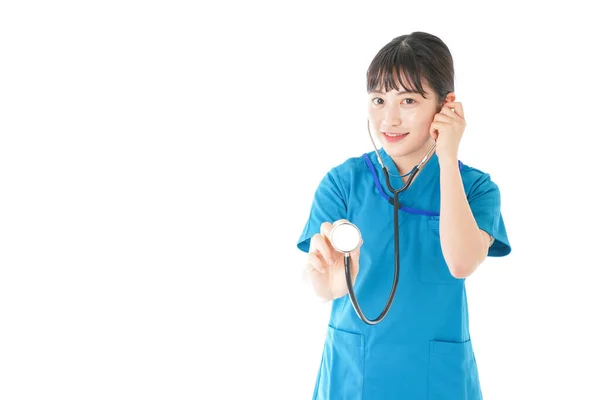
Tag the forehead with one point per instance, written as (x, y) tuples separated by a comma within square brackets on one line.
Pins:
[(391, 81)]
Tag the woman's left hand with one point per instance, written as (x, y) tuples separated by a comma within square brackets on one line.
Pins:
[(447, 129)]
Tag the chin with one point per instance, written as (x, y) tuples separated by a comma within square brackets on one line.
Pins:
[(401, 148), (405, 147), (397, 151)]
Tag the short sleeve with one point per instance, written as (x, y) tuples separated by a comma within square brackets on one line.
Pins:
[(328, 205), (484, 199)]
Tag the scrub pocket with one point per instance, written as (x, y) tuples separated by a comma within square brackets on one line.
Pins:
[(435, 269), (342, 366), (452, 372)]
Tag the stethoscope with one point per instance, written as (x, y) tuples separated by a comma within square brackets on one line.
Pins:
[(346, 237)]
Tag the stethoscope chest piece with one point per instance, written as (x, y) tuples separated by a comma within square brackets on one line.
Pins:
[(345, 237)]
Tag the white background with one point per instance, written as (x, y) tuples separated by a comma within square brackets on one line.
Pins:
[(158, 161)]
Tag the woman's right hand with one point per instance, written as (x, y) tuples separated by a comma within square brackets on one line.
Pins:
[(326, 265)]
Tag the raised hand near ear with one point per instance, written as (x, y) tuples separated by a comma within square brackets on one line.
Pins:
[(447, 130)]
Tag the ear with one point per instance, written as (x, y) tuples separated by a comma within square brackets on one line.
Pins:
[(450, 98)]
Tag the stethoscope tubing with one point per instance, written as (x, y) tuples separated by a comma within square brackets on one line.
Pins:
[(347, 260)]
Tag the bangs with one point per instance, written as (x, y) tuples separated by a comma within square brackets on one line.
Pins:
[(393, 68)]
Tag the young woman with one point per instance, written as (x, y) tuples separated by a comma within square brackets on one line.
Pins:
[(436, 233)]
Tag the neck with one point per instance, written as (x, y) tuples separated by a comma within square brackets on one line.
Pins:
[(406, 163)]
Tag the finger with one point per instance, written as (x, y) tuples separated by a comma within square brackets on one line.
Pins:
[(458, 108), (340, 221), (444, 118), (315, 261), (356, 252), (326, 228), (448, 113), (322, 245), (432, 132), (437, 125)]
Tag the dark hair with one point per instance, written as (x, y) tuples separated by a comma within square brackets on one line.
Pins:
[(416, 56)]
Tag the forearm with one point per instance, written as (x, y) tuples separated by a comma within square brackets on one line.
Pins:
[(460, 236)]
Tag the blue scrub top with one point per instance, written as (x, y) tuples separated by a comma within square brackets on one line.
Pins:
[(422, 349)]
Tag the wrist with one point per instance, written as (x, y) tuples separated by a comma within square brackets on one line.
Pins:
[(448, 161)]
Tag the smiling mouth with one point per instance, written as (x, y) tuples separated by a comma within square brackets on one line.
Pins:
[(394, 135)]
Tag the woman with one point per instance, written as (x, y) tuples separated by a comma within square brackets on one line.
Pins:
[(449, 221)]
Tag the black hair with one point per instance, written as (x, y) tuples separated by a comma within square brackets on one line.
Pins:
[(415, 56)]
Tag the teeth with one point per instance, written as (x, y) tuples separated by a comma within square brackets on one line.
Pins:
[(395, 134)]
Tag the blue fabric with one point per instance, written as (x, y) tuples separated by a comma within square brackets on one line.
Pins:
[(422, 349), (389, 198), (374, 174)]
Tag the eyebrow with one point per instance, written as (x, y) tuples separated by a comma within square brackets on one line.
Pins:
[(398, 94)]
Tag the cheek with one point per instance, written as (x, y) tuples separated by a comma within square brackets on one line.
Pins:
[(410, 118), (373, 114), (374, 118), (422, 122)]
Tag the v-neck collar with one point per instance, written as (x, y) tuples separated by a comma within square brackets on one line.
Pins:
[(423, 178)]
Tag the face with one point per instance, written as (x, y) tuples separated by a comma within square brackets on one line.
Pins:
[(399, 112)]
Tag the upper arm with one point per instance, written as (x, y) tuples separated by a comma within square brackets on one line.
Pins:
[(484, 200)]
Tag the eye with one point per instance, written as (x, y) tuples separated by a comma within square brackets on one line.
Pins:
[(412, 101), (377, 101)]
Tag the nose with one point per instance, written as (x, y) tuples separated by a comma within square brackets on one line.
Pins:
[(391, 117)]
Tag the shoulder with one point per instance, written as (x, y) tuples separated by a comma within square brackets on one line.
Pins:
[(345, 174), (477, 181), (354, 163), (357, 164)]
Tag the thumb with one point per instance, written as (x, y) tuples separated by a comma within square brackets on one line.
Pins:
[(433, 132), (356, 252)]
